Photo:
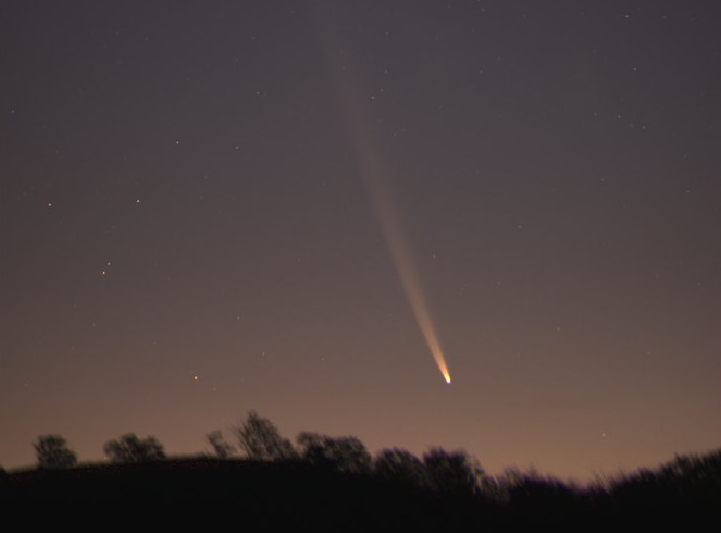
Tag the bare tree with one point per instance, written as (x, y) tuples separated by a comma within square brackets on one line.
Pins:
[(131, 449), (221, 448), (260, 439), (52, 452)]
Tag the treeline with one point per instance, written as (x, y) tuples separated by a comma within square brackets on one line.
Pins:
[(451, 472), (338, 481)]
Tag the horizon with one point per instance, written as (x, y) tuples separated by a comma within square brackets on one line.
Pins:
[(596, 479)]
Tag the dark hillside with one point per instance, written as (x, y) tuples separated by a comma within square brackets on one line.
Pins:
[(295, 494), (274, 494)]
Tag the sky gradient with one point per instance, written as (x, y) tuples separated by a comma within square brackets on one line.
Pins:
[(190, 228)]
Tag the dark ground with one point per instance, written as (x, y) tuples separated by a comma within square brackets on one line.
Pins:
[(295, 495)]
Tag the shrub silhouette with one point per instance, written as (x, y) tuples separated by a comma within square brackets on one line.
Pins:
[(52, 452), (684, 482), (343, 454), (531, 492), (260, 439), (131, 449)]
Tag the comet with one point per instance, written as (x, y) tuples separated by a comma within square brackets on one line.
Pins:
[(400, 253), (373, 170)]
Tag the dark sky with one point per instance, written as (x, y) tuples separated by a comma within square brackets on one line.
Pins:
[(191, 225)]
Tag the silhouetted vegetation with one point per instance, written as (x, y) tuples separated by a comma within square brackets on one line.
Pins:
[(342, 454), (400, 466), (260, 440), (455, 473), (222, 449), (131, 449), (333, 483), (52, 452)]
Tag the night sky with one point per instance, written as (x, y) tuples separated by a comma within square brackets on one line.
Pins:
[(212, 207)]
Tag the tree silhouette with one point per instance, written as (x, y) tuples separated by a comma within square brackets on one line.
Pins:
[(453, 472), (260, 439), (344, 454), (131, 449), (52, 452), (310, 445), (221, 448), (400, 466)]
